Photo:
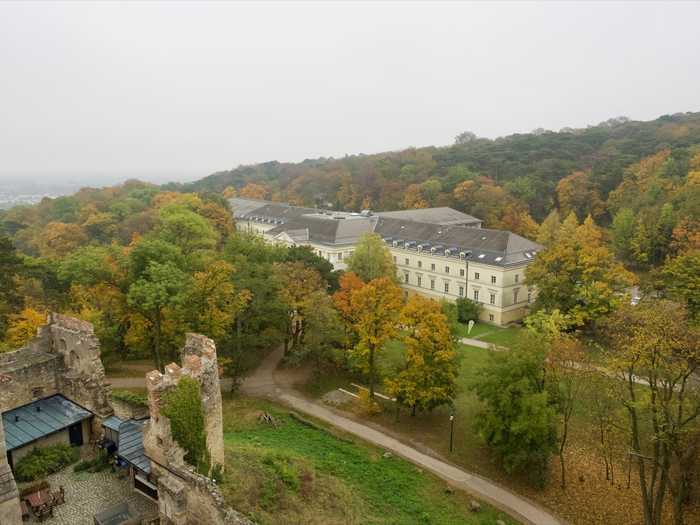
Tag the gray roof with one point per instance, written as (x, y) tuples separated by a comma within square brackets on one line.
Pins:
[(325, 229), (41, 418), (443, 216), (449, 231), (130, 446)]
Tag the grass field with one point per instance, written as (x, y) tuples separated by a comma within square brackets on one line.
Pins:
[(297, 473), (491, 334)]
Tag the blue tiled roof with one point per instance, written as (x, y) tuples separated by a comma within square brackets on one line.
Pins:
[(112, 423), (41, 418), (131, 444)]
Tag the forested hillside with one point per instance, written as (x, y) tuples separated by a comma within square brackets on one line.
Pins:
[(639, 177)]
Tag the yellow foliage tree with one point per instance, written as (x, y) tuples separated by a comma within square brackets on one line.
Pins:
[(23, 327), (376, 305), (429, 378)]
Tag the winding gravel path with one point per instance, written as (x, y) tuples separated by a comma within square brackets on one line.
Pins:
[(266, 381)]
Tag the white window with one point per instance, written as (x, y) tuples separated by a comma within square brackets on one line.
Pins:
[(490, 317), (492, 298), (419, 280), (447, 287), (405, 277), (476, 295), (461, 291), (394, 259), (476, 275), (517, 277), (340, 256), (461, 272), (447, 269), (493, 279), (432, 266), (420, 264), (407, 262), (529, 297), (515, 295), (432, 284)]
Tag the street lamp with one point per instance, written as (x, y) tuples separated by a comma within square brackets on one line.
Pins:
[(452, 428)]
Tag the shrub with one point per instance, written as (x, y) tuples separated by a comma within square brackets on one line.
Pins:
[(130, 397), (41, 462), (183, 406), (467, 310), (97, 464), (368, 406)]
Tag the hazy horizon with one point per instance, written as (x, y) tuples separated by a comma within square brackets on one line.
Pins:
[(102, 92)]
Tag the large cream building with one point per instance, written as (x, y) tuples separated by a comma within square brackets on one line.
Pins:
[(439, 252)]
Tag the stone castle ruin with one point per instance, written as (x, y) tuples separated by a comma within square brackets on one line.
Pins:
[(62, 360), (61, 368), (186, 497)]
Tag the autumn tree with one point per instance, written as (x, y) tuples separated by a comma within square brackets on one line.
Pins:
[(655, 352), (58, 239), (680, 279), (578, 274), (23, 327), (255, 191), (342, 300), (576, 194), (10, 269), (376, 305), (186, 229), (519, 416), (428, 379), (372, 259), (298, 284), (157, 295), (213, 301)]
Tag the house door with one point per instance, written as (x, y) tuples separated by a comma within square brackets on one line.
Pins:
[(75, 434)]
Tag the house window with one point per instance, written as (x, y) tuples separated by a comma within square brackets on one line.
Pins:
[(432, 267), (529, 297), (447, 269), (394, 259), (447, 287), (405, 277), (432, 284), (461, 272), (493, 279), (407, 262), (420, 264), (476, 275), (490, 317), (515, 295), (517, 277), (476, 295), (340, 256), (492, 298), (461, 291), (419, 280)]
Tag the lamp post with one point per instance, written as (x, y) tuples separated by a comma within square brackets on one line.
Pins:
[(452, 429)]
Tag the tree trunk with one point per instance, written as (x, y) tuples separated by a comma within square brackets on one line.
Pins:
[(371, 372), (156, 343)]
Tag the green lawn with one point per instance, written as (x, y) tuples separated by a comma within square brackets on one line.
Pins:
[(492, 334), (297, 473)]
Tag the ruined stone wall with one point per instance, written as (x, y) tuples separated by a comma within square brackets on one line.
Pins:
[(64, 358), (10, 513), (185, 497), (29, 373)]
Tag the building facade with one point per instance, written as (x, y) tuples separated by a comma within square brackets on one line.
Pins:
[(440, 253)]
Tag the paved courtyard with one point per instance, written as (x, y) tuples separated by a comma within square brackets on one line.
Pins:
[(87, 494)]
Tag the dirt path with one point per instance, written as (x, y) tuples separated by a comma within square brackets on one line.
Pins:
[(268, 381)]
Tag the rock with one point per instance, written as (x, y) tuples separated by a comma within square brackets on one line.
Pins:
[(474, 506), (387, 455)]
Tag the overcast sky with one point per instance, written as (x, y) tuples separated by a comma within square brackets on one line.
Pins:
[(177, 90)]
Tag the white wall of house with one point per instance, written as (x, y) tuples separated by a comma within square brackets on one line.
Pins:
[(502, 292)]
